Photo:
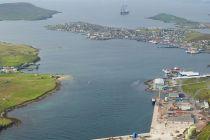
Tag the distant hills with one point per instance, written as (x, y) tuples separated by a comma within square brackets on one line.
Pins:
[(168, 18), (24, 11), (179, 21)]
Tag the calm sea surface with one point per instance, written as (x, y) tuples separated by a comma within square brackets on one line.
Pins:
[(107, 96)]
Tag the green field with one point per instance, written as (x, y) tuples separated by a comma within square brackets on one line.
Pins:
[(16, 55), (197, 88), (24, 11), (197, 36), (4, 122), (16, 89), (205, 134)]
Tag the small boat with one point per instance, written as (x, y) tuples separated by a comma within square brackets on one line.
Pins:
[(192, 50), (153, 101)]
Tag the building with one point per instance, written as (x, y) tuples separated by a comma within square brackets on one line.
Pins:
[(189, 73), (173, 95), (183, 119), (9, 70), (158, 84)]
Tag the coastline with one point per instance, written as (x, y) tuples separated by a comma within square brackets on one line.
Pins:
[(15, 121)]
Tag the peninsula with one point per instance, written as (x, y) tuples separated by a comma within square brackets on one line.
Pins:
[(24, 11), (192, 41), (18, 88)]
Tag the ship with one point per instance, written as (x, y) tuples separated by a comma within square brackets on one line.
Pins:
[(124, 9)]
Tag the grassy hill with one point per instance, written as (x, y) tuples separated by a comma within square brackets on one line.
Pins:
[(197, 88), (205, 134), (168, 18), (16, 55), (24, 11)]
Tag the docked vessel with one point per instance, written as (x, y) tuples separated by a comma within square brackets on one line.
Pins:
[(153, 101)]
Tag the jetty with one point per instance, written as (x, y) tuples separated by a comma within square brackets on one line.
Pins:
[(126, 137)]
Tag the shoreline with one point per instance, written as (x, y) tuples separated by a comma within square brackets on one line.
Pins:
[(15, 121)]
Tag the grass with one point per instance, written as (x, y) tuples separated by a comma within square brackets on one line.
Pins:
[(24, 11), (196, 36), (16, 89), (16, 55), (205, 134), (5, 122), (197, 88)]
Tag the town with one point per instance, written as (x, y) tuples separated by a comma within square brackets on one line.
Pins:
[(193, 42), (15, 69)]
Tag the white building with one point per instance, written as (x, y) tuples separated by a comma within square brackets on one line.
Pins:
[(189, 73), (158, 83)]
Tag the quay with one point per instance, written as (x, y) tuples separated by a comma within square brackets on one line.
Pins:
[(126, 137)]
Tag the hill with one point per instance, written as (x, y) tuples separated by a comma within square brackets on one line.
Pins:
[(24, 11), (16, 55), (168, 18)]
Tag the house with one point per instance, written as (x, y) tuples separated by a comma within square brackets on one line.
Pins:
[(205, 105), (9, 70), (173, 95), (184, 105)]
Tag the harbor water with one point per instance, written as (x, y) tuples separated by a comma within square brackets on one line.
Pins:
[(107, 96)]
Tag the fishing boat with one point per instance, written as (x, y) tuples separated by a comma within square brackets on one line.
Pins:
[(153, 101)]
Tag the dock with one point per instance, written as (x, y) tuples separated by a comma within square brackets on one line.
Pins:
[(126, 137)]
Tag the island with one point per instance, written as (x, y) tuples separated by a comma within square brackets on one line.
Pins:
[(18, 88), (24, 11), (190, 40), (179, 21)]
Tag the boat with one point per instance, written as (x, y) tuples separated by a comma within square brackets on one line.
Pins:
[(153, 101), (192, 51), (124, 9)]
